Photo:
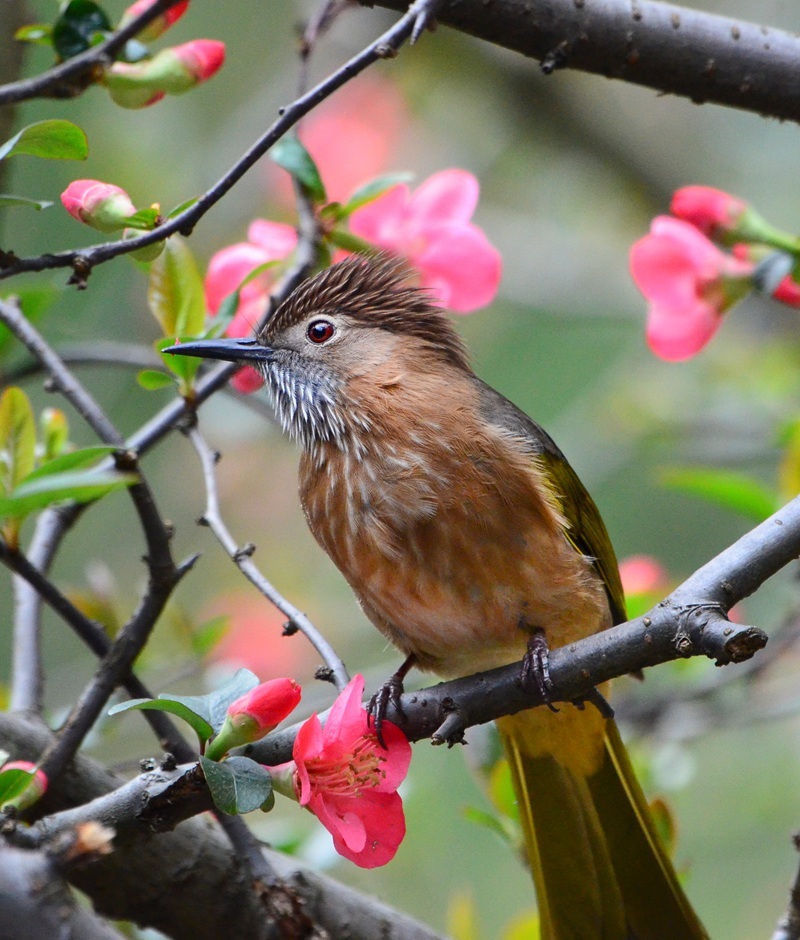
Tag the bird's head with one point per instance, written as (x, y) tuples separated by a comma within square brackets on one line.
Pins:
[(334, 341)]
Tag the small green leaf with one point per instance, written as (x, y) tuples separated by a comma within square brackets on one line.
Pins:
[(724, 488), (54, 429), (75, 486), (350, 242), (17, 438), (237, 785), (79, 25), (205, 638), (219, 700), (370, 191), (181, 208), (12, 783), (175, 290), (74, 460), (22, 202), (143, 220), (290, 154), (488, 821), (152, 379), (55, 139), (175, 705), (184, 367), (35, 32)]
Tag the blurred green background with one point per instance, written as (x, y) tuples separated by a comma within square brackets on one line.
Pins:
[(572, 168)]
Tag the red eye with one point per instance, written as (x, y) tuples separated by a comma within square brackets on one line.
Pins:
[(320, 331)]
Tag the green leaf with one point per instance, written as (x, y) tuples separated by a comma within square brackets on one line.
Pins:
[(219, 700), (724, 488), (22, 202), (175, 705), (12, 783), (181, 208), (78, 27), (350, 242), (290, 154), (74, 460), (143, 219), (237, 785), (175, 290), (75, 486), (370, 191), (205, 638), (35, 32), (55, 139), (488, 821), (17, 438), (152, 379), (184, 367)]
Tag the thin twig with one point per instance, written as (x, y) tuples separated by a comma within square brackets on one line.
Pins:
[(84, 259), (241, 556), (789, 925)]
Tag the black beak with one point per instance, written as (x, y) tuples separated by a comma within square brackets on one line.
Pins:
[(231, 350)]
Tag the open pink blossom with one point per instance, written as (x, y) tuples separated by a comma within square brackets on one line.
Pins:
[(689, 283), (349, 781), (431, 228), (266, 241), (710, 210)]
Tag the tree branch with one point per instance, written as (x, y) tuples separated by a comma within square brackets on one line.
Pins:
[(195, 863), (672, 49)]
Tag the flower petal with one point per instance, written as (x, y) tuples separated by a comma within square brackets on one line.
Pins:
[(383, 221), (228, 268), (447, 197), (347, 720), (307, 744), (677, 334), (274, 238), (460, 266)]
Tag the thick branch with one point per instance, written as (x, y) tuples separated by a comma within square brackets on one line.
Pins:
[(195, 862), (700, 56)]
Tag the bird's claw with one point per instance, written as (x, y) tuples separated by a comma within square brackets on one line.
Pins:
[(388, 694), (536, 668)]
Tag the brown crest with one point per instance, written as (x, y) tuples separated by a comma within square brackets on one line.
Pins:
[(374, 291)]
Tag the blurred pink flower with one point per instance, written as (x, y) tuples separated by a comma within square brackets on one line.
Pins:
[(689, 282), (431, 228), (710, 210), (642, 574), (349, 781), (351, 137), (267, 241)]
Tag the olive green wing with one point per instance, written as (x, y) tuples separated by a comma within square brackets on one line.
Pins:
[(587, 531)]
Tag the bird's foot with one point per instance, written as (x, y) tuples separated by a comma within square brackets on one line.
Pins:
[(536, 668), (388, 694)]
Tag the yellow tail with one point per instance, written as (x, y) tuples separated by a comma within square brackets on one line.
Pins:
[(598, 866)]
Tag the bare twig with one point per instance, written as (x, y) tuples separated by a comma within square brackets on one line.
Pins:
[(789, 925), (84, 259), (241, 556)]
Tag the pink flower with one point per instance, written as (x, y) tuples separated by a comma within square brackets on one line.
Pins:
[(35, 789), (349, 781), (171, 72), (350, 136), (689, 282), (710, 210), (432, 229), (642, 574), (102, 205), (253, 715), (267, 241), (159, 25)]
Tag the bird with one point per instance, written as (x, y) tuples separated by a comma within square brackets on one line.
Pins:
[(469, 542)]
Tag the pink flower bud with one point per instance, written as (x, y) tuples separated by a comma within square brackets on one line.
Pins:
[(35, 789), (711, 210), (172, 72), (159, 25), (254, 715), (102, 205)]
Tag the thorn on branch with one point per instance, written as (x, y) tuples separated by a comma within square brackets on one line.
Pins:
[(324, 674), (81, 269), (246, 551), (556, 58), (290, 628)]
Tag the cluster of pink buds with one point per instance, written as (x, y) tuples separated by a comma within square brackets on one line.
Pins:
[(696, 264)]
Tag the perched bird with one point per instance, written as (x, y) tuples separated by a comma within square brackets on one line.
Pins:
[(468, 540)]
